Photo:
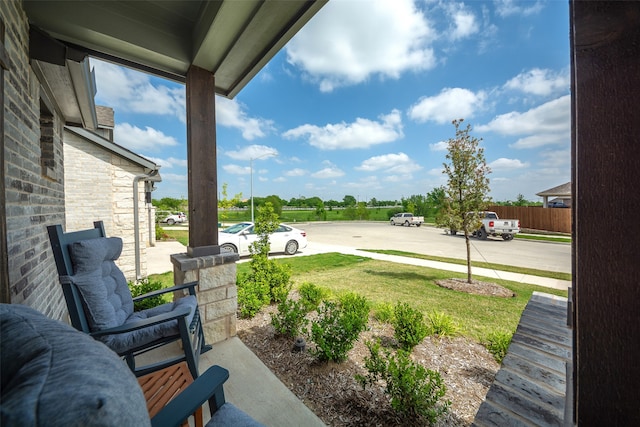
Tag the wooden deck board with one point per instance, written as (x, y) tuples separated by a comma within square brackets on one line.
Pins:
[(529, 389)]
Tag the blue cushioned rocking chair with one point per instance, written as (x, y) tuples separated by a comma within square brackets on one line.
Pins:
[(100, 302)]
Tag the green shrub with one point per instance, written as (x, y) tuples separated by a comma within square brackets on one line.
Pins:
[(312, 295), (142, 287), (497, 342), (290, 318), (338, 326), (383, 312), (415, 391), (356, 305), (252, 295), (441, 324), (267, 281), (409, 326)]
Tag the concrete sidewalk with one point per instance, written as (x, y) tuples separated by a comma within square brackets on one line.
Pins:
[(158, 261)]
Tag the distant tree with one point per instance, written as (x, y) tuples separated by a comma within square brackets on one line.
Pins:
[(276, 203), (467, 184), (362, 212), (320, 211), (171, 204), (373, 202), (312, 202), (521, 201), (225, 203), (349, 201), (435, 201), (416, 204), (295, 202)]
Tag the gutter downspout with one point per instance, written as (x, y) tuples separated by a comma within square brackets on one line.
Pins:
[(153, 177)]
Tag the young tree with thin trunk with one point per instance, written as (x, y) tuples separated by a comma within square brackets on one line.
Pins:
[(467, 185)]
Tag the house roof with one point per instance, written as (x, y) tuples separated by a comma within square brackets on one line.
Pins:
[(560, 190), (114, 148), (232, 39)]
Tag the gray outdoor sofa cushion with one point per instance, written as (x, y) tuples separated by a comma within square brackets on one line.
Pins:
[(52, 375), (107, 299)]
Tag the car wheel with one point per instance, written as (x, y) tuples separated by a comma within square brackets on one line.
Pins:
[(228, 248), (453, 232), (171, 221), (406, 224), (391, 222), (418, 225), (482, 234), (291, 247), (507, 237)]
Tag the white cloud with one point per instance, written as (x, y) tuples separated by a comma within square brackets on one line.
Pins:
[(296, 172), (448, 105), (540, 82), (237, 170), (362, 133), (506, 8), (256, 152), (553, 117), (436, 171), (539, 140), (174, 177), (168, 162), (230, 113), (502, 164), (331, 171), (136, 139), (557, 158), (390, 163), (345, 44), (131, 91), (439, 146), (463, 22), (127, 90)]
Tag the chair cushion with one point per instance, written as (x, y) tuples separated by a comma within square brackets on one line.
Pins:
[(140, 337), (54, 375), (228, 415), (107, 298)]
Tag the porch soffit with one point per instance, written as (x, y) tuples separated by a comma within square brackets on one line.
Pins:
[(232, 39)]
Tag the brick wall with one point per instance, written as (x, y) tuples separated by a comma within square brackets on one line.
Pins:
[(99, 186), (34, 194)]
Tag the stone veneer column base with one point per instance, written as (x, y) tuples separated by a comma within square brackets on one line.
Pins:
[(217, 291)]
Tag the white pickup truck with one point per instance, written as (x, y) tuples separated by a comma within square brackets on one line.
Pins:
[(494, 226), (407, 219)]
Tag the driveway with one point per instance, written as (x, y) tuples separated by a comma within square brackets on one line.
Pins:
[(549, 256)]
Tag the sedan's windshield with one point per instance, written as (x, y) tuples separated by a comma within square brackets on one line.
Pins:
[(234, 229)]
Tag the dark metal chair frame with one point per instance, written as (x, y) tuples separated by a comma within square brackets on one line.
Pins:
[(191, 335)]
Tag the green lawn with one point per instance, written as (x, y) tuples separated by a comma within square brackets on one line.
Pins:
[(387, 282)]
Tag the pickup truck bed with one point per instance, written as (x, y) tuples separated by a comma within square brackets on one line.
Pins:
[(494, 226)]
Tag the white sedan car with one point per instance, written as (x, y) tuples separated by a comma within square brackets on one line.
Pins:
[(239, 237)]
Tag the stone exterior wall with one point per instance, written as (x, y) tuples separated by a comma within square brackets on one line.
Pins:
[(34, 189), (99, 186), (217, 291)]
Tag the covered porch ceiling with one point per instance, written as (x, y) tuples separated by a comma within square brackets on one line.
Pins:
[(231, 39)]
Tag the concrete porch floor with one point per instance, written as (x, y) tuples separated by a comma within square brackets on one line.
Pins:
[(251, 386)]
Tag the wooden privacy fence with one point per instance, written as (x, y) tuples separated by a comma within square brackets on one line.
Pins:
[(537, 217)]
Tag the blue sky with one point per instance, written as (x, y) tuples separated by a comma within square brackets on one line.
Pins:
[(360, 102)]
